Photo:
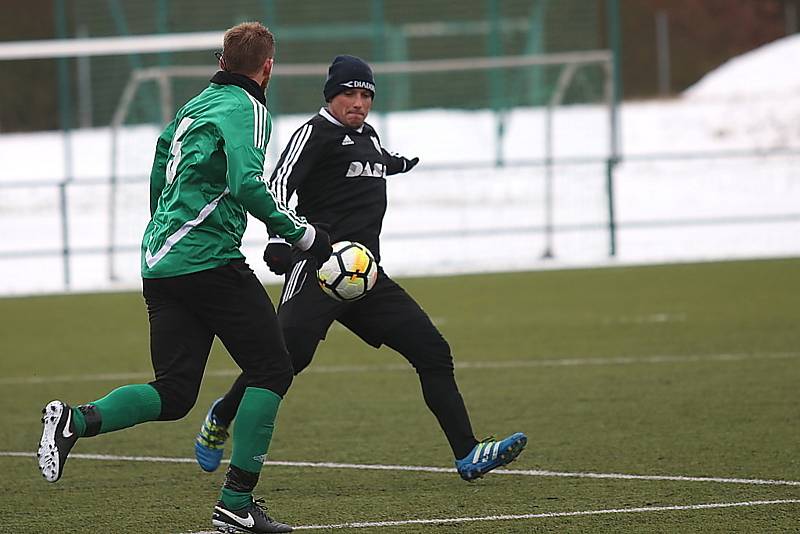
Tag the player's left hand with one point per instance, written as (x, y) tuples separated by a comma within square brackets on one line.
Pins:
[(408, 164)]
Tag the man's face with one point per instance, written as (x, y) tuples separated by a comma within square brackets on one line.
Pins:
[(351, 107)]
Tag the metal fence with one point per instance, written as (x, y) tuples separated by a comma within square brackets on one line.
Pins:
[(669, 207), (88, 86)]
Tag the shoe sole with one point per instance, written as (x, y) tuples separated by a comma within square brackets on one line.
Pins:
[(227, 528), (206, 464), (505, 458), (513, 451), (49, 461)]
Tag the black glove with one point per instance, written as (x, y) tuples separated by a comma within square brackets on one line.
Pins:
[(408, 164), (321, 247), (278, 257)]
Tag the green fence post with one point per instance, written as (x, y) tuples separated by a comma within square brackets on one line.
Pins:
[(398, 51), (162, 27), (496, 78), (379, 56), (270, 20), (378, 31), (535, 45), (615, 44), (65, 118), (134, 60)]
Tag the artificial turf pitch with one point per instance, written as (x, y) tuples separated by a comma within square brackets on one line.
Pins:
[(682, 370)]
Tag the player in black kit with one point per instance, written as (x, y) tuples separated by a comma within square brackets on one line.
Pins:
[(337, 167)]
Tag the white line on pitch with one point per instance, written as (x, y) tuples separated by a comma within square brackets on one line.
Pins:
[(501, 364), (425, 469), (515, 517)]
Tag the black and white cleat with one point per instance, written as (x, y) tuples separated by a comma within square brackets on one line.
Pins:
[(58, 437)]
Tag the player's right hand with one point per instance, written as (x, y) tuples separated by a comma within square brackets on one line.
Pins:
[(321, 248), (278, 257)]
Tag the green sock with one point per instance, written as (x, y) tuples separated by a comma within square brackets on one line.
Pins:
[(235, 500), (126, 406), (255, 421)]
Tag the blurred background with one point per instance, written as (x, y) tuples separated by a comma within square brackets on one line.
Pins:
[(552, 133)]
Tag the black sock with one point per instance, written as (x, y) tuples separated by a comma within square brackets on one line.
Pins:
[(443, 399), (226, 409)]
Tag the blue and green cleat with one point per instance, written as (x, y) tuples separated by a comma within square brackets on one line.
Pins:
[(490, 454), (210, 441)]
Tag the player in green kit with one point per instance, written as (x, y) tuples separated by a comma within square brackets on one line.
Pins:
[(206, 177)]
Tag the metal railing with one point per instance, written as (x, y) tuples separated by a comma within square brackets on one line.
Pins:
[(66, 250)]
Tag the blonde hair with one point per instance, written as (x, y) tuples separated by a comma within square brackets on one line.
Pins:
[(247, 46)]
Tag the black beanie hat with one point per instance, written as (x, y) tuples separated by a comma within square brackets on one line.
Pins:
[(348, 72)]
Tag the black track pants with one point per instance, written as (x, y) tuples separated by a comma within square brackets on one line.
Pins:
[(186, 312)]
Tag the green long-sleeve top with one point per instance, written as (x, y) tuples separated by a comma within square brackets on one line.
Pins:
[(207, 174)]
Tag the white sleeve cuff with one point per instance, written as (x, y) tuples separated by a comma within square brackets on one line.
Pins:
[(277, 239), (305, 242)]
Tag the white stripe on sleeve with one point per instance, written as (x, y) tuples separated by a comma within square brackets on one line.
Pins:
[(296, 145)]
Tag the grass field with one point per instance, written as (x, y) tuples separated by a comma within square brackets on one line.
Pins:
[(665, 371)]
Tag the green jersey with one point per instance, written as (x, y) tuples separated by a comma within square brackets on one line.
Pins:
[(207, 174)]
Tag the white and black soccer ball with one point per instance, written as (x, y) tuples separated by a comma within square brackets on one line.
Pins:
[(349, 273)]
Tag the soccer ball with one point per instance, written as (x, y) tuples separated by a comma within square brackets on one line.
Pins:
[(349, 273)]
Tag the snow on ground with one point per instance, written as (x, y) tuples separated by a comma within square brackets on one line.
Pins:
[(478, 217), (769, 69)]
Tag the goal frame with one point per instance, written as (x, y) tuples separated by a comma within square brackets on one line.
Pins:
[(569, 61)]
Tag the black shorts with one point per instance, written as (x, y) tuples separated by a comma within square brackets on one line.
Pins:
[(384, 309), (187, 311)]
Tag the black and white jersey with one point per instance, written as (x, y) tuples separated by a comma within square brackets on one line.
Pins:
[(339, 176)]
